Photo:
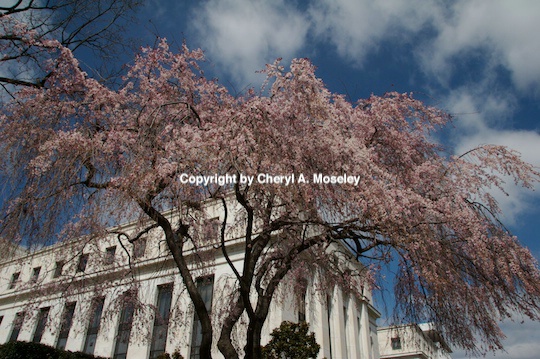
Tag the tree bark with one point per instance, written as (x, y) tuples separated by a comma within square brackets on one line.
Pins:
[(225, 345), (253, 342)]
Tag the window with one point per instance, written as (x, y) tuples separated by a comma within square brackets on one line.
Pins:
[(65, 326), (17, 325), (109, 255), (359, 325), (83, 261), (396, 343), (329, 315), (41, 324), (35, 274), (206, 288), (302, 307), (14, 280), (93, 327), (58, 269), (346, 324), (161, 322), (124, 329), (139, 247)]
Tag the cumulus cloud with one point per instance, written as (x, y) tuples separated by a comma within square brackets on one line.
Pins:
[(504, 33), (521, 341), (243, 35), (357, 27)]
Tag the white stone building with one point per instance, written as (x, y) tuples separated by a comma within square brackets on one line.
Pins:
[(412, 341), (76, 296)]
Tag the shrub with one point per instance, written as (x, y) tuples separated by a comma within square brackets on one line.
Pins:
[(25, 350), (175, 355), (291, 341)]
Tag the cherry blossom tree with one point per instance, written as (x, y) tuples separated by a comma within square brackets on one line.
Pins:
[(96, 25), (80, 156)]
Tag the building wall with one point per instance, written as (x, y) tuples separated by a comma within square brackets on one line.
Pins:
[(410, 342), (343, 325)]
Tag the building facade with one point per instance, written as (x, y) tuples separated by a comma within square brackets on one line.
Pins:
[(412, 341), (120, 300)]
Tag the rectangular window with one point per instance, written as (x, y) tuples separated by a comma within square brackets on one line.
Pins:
[(17, 325), (359, 325), (346, 324), (58, 269), (124, 329), (65, 326), (93, 327), (14, 280), (396, 343), (329, 316), (206, 289), (83, 261), (302, 306), (161, 321), (139, 247), (109, 255), (41, 324), (35, 274)]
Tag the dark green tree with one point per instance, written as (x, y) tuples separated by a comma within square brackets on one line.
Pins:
[(25, 350), (291, 341), (175, 355)]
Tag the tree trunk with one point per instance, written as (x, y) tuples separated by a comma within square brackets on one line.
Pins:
[(205, 351), (174, 243), (196, 299), (225, 341), (253, 342)]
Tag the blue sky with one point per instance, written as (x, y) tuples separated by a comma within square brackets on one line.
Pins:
[(477, 59)]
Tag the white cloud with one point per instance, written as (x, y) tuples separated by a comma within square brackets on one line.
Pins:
[(356, 27), (242, 35), (521, 341), (503, 33)]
